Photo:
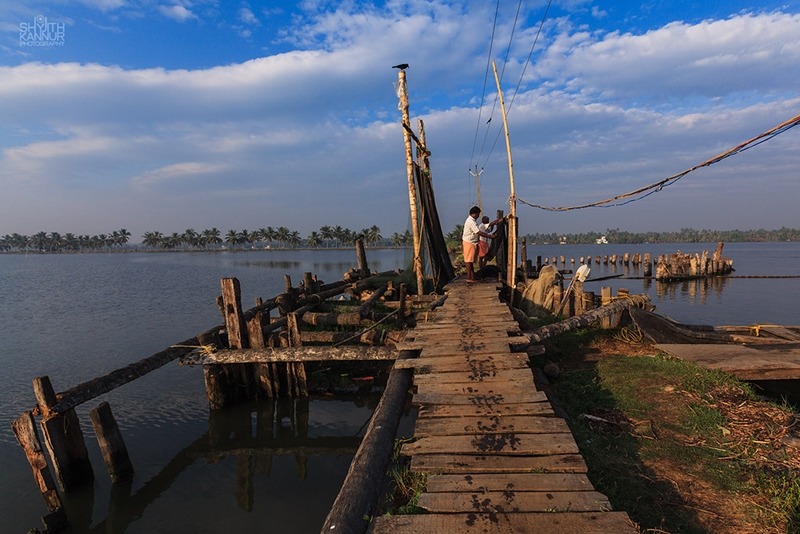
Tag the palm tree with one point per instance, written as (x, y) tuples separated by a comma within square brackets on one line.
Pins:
[(191, 237), (282, 235), (294, 238), (326, 232), (397, 239), (232, 238), (54, 242), (374, 234), (313, 239), (153, 239), (39, 240), (338, 234), (266, 235), (70, 241), (210, 237)]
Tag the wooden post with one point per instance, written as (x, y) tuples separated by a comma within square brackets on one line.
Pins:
[(309, 285), (605, 300), (402, 302), (242, 376), (24, 429), (361, 254), (412, 188), (112, 446), (296, 369), (261, 371), (524, 260), (63, 439)]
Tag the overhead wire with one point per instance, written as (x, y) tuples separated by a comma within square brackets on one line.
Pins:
[(643, 192), (486, 77), (522, 74), (483, 92)]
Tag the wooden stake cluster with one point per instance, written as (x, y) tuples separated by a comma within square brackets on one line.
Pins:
[(63, 438)]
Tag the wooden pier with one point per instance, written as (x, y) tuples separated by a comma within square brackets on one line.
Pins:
[(497, 459)]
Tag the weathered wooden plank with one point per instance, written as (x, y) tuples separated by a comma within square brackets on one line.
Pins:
[(513, 523), (467, 347), (750, 362), (487, 361), (523, 374), (510, 443), (484, 401), (476, 388), (515, 501), (508, 482), (474, 464), (541, 407), (492, 424)]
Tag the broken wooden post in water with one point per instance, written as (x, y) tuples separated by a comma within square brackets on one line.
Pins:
[(112, 446), (63, 438), (24, 428)]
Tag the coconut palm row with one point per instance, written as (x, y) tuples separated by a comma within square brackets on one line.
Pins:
[(212, 238), (56, 242)]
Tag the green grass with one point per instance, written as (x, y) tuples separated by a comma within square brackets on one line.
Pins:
[(652, 414)]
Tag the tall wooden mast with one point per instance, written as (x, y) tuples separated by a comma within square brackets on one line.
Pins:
[(512, 220), (402, 91)]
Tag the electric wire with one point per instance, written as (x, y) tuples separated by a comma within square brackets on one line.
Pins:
[(521, 77)]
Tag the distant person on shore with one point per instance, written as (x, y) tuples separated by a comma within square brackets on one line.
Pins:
[(483, 244), (470, 241)]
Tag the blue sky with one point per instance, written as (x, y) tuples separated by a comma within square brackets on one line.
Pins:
[(170, 115)]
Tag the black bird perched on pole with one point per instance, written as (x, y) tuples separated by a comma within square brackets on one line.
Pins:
[(401, 66)]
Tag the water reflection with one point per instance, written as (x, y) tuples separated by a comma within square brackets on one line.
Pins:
[(251, 436), (697, 291)]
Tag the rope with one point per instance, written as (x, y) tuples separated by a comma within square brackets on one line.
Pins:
[(661, 184)]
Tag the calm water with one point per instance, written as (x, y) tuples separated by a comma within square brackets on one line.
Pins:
[(259, 467)]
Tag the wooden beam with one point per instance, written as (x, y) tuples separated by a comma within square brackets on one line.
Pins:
[(306, 353)]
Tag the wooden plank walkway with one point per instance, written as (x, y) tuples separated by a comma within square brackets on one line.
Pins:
[(497, 459)]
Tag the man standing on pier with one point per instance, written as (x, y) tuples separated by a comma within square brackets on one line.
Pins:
[(470, 241)]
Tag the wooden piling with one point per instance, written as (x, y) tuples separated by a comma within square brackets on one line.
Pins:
[(24, 429), (63, 439), (361, 254), (112, 446)]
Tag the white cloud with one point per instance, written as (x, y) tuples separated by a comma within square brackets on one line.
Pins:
[(177, 12), (318, 127), (247, 16)]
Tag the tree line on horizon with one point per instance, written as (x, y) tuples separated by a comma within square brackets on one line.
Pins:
[(207, 239), (684, 235), (338, 236)]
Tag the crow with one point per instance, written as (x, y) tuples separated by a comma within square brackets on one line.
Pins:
[(401, 66)]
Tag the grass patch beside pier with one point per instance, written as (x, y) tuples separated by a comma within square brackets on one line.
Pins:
[(680, 448)]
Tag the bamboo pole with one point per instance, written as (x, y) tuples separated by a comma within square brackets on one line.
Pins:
[(512, 220), (412, 188)]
